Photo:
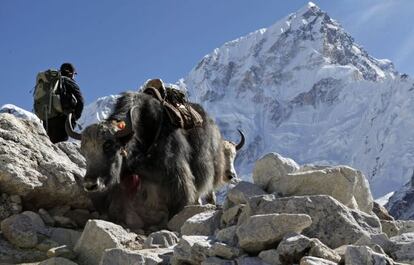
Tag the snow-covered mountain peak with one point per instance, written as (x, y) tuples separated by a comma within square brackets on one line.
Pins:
[(307, 42), (303, 87)]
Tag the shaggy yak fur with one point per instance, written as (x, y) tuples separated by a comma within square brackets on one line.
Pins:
[(141, 170)]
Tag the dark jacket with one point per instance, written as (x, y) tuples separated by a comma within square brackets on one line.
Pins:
[(71, 97), (72, 102)]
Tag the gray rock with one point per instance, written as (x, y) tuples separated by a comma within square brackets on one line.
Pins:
[(57, 261), (47, 219), (47, 244), (59, 210), (375, 241), (332, 222), (227, 235), (20, 231), (192, 249), (250, 261), (72, 150), (16, 199), (202, 224), (145, 256), (161, 239), (97, 236), (309, 260), (36, 220), (230, 216), (225, 251), (243, 191), (264, 231), (405, 226), (34, 168), (8, 207), (79, 216), (390, 228), (63, 221), (270, 256), (403, 249), (10, 254), (217, 261), (293, 247), (65, 236), (178, 220), (363, 255)]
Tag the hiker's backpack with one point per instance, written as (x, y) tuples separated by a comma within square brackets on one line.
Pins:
[(46, 94)]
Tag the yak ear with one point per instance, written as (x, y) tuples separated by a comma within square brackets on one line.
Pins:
[(124, 128)]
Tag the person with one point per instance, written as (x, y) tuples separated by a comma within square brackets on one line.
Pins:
[(72, 102)]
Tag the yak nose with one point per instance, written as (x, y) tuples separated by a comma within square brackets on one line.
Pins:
[(230, 175)]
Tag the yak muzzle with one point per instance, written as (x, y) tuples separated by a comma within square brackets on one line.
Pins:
[(93, 185)]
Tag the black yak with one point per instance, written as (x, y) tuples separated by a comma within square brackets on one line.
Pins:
[(141, 169)]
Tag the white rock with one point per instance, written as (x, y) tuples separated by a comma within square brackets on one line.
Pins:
[(203, 224), (98, 236), (362, 255), (178, 220), (332, 222), (192, 249), (146, 256), (242, 191), (347, 185), (263, 231), (162, 239), (270, 167), (34, 168)]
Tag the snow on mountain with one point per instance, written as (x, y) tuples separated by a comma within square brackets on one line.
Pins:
[(305, 89), (19, 112), (97, 111)]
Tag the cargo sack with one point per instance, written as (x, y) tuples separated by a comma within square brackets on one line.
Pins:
[(175, 103), (46, 94)]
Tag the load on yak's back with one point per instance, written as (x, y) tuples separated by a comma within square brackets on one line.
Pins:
[(143, 168)]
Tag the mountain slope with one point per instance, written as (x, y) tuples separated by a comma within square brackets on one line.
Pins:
[(305, 89)]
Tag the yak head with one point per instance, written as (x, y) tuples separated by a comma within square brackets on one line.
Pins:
[(103, 146), (230, 151)]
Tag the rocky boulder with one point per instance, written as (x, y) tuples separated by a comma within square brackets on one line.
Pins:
[(280, 175), (332, 222), (35, 169), (98, 236)]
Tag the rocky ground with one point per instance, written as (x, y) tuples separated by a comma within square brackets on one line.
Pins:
[(290, 214)]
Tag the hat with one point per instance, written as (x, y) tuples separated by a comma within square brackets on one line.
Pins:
[(67, 68)]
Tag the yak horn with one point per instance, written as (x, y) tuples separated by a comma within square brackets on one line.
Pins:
[(69, 129), (241, 143)]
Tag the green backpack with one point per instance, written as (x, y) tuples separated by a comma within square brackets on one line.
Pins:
[(47, 94)]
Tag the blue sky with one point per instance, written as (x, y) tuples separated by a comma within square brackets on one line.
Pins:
[(117, 45)]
